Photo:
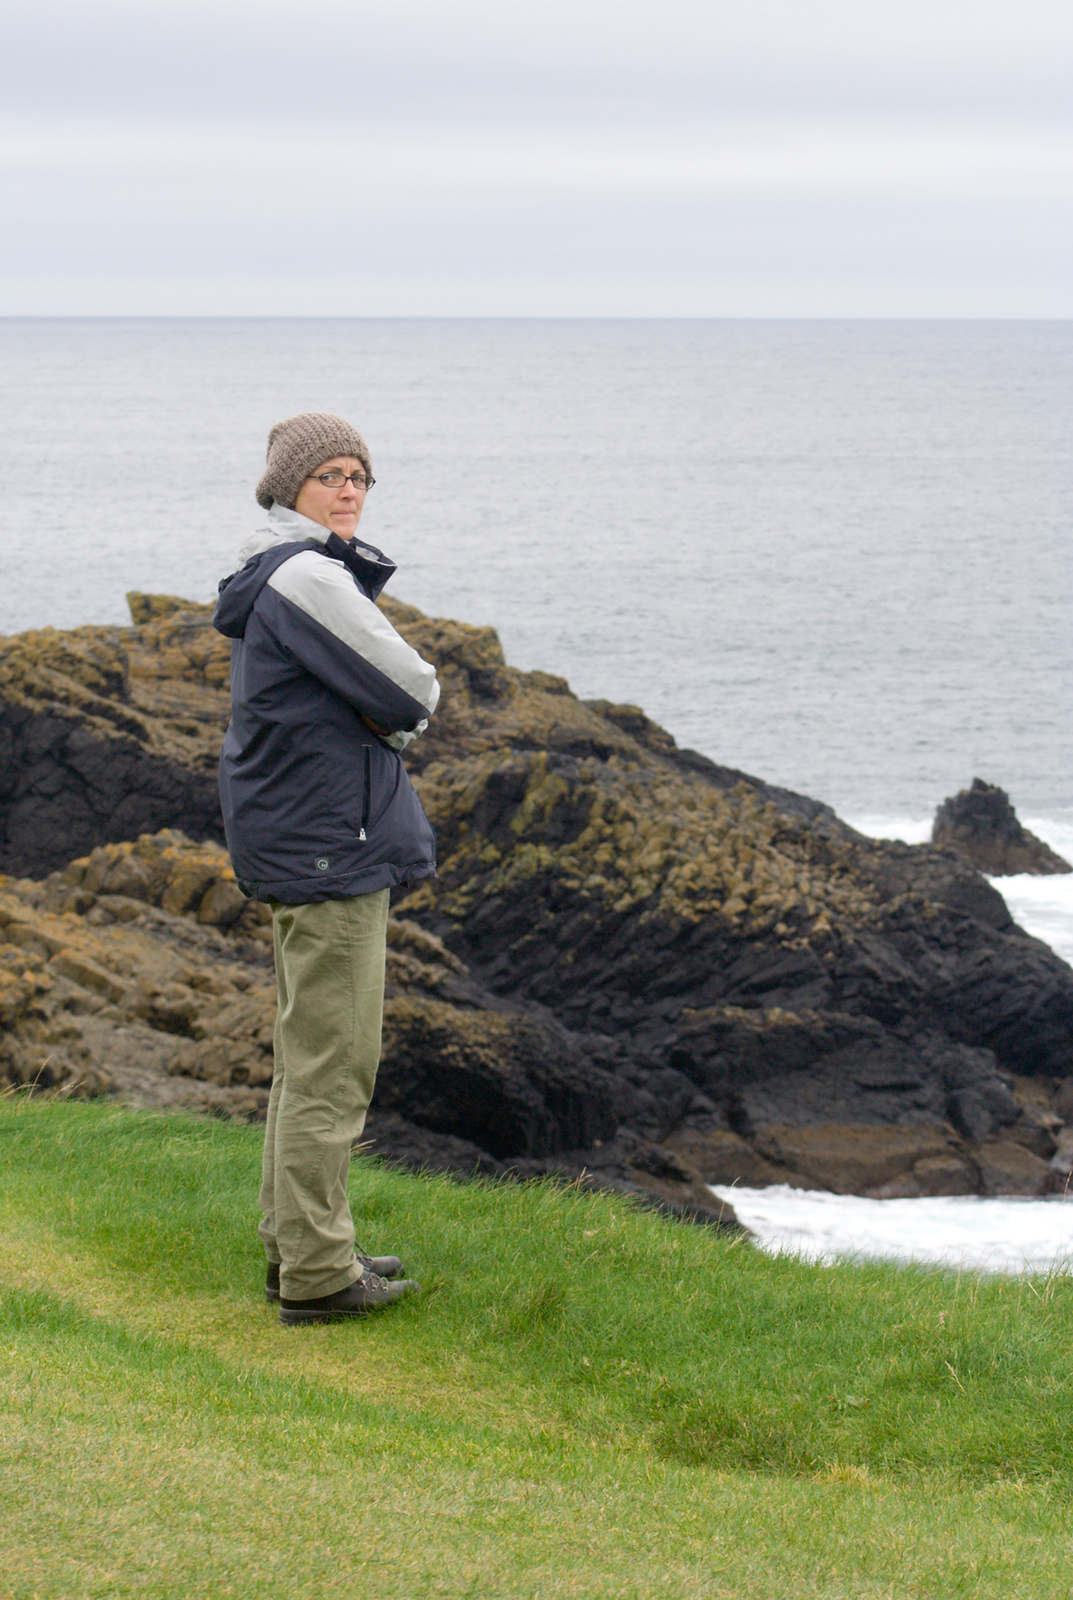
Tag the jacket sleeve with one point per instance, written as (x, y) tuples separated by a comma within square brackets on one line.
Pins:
[(325, 622)]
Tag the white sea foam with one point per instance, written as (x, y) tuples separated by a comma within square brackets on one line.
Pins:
[(960, 1231), (1044, 906)]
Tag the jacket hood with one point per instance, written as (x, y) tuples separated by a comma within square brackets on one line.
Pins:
[(282, 534), (281, 526)]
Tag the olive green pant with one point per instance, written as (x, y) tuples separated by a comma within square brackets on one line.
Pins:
[(330, 975)]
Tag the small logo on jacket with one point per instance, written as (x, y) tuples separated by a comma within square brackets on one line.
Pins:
[(323, 863)]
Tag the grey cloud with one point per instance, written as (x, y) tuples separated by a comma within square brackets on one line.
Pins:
[(337, 61), (409, 156)]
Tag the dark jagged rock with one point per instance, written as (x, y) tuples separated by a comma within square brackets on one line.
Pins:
[(396, 1139), (636, 966), (515, 1085), (106, 733), (627, 1166), (981, 825)]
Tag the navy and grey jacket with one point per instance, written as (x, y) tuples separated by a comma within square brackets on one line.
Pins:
[(317, 806)]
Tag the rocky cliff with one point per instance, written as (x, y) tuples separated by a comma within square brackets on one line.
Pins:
[(634, 961)]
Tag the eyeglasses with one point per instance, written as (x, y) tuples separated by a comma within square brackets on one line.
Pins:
[(336, 480)]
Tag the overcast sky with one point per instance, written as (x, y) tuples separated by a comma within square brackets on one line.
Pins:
[(600, 157)]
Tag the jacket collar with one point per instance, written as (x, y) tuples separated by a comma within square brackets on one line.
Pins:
[(365, 562), (281, 526)]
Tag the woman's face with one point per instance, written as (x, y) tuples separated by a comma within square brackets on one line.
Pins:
[(340, 508)]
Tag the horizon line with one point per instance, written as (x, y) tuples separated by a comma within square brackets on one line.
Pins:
[(500, 316)]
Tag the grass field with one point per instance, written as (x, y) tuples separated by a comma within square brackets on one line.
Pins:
[(586, 1400)]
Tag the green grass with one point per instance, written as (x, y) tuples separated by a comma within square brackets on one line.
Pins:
[(586, 1399)]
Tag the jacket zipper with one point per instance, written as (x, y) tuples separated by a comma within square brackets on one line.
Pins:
[(365, 793)]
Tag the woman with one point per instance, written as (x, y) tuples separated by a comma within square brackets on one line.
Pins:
[(321, 822)]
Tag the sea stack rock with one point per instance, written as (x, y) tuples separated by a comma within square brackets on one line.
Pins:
[(981, 824)]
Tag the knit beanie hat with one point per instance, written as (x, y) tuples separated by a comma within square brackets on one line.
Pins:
[(298, 445)]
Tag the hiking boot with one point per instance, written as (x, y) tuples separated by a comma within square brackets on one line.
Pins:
[(369, 1293), (383, 1266)]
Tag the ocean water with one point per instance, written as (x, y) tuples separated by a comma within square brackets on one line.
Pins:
[(836, 555)]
